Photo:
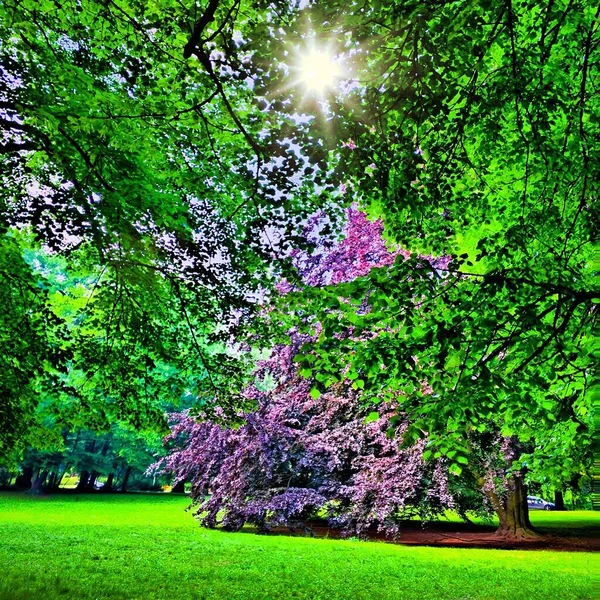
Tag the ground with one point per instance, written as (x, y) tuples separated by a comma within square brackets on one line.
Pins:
[(569, 531), (146, 546)]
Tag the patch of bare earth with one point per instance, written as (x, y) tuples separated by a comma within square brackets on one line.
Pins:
[(463, 535)]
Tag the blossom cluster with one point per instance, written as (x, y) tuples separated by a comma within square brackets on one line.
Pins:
[(297, 457)]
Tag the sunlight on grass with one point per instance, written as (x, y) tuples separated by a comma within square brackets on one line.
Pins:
[(147, 546)]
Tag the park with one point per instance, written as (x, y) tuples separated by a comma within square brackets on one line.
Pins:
[(299, 299), (141, 546)]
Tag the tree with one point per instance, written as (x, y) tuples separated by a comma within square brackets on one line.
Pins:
[(27, 328), (122, 152), (297, 457), (557, 451), (471, 130), (119, 457)]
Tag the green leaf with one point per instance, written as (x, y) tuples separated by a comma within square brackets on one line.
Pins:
[(372, 416), (315, 393), (455, 469)]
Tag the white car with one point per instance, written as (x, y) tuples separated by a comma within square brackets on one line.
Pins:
[(535, 503)]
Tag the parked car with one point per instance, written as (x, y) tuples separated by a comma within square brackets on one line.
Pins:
[(535, 503)]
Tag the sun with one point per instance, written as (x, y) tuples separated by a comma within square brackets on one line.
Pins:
[(318, 70)]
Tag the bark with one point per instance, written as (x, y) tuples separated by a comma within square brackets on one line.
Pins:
[(108, 486), (125, 479), (38, 480), (559, 501), (52, 481), (179, 488), (24, 479), (5, 477), (513, 512), (61, 476), (95, 474), (84, 477), (92, 481)]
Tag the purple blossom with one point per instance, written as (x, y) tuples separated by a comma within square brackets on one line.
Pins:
[(295, 455)]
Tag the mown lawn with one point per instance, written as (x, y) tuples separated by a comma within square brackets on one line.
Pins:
[(146, 546)]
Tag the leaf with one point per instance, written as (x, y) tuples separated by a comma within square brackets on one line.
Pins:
[(372, 416), (455, 469)]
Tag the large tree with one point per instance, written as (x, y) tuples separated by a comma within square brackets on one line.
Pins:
[(179, 142), (471, 131), (121, 151)]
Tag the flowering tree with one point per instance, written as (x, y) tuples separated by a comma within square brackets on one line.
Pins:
[(298, 456), (303, 453), (383, 320)]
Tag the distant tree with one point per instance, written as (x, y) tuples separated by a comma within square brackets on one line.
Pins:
[(119, 457)]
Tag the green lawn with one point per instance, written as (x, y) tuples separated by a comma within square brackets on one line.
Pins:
[(146, 546)]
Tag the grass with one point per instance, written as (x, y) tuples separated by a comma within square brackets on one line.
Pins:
[(146, 546)]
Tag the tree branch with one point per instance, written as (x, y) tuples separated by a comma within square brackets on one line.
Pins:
[(207, 17)]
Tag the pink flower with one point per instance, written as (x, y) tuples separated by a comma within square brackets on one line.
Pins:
[(349, 144)]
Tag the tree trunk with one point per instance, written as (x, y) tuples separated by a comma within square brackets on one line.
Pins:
[(95, 474), (108, 486), (61, 475), (53, 481), (513, 512), (125, 479), (559, 501), (179, 487), (5, 477), (38, 480), (84, 477), (92, 481), (24, 479)]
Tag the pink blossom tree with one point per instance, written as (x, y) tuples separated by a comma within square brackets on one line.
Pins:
[(302, 453), (298, 456)]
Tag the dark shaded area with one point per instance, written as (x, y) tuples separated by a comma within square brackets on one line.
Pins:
[(465, 535)]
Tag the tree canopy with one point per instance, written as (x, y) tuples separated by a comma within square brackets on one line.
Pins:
[(175, 156), (471, 133)]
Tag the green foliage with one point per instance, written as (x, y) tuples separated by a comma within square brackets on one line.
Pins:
[(26, 338), (116, 459), (128, 161), (151, 144), (480, 120)]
